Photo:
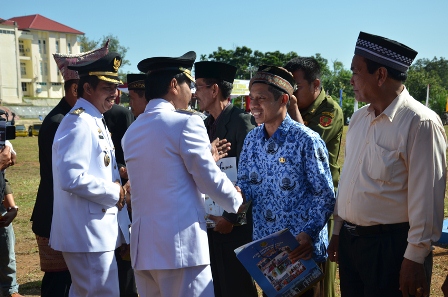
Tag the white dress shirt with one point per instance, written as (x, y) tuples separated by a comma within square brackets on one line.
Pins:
[(395, 171)]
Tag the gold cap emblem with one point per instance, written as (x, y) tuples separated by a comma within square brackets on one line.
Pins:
[(117, 64)]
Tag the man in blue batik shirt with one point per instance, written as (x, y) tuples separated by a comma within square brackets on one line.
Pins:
[(283, 169)]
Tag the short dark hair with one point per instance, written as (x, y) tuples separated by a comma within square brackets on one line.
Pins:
[(224, 86), (92, 80), (140, 93), (69, 83), (310, 67), (276, 92), (156, 85), (373, 66)]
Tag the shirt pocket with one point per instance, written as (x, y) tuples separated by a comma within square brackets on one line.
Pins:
[(383, 163)]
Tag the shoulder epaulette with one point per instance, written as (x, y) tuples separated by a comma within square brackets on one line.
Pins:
[(186, 111), (78, 111)]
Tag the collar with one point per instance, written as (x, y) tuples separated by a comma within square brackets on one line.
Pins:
[(88, 108), (393, 107), (223, 111), (279, 135), (159, 103), (313, 107)]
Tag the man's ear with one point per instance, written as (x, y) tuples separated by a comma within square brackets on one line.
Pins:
[(74, 89), (215, 90), (382, 75), (173, 86), (316, 85), (284, 99), (87, 88)]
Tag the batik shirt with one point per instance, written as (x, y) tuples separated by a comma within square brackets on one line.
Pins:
[(288, 180)]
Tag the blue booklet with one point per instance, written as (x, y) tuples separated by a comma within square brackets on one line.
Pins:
[(267, 262)]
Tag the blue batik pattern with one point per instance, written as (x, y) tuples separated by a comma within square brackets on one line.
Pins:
[(287, 177)]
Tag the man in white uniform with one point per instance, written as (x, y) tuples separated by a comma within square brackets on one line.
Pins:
[(88, 197), (167, 153)]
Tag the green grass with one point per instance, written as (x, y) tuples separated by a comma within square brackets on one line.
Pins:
[(24, 178)]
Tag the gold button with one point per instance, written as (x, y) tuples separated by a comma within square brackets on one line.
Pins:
[(103, 210)]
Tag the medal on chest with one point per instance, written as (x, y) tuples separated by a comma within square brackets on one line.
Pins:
[(106, 159)]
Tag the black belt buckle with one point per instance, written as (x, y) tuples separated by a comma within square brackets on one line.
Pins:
[(351, 229)]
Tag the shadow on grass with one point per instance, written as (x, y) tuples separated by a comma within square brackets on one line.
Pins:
[(441, 245), (31, 288)]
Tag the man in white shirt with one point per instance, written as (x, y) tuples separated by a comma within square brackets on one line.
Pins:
[(167, 154), (389, 207)]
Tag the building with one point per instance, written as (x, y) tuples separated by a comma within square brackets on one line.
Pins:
[(27, 67)]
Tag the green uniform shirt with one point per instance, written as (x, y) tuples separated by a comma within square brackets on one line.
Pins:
[(325, 117)]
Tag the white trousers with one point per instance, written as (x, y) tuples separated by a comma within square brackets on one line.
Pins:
[(93, 274), (193, 281)]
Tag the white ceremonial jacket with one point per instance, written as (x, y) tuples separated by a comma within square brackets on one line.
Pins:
[(85, 195), (169, 164)]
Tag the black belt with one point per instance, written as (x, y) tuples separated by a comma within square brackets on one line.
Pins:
[(356, 230)]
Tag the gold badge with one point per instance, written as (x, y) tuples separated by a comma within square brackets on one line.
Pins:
[(282, 160), (117, 64), (78, 111), (106, 160)]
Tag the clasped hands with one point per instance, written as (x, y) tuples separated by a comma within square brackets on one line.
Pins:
[(121, 201)]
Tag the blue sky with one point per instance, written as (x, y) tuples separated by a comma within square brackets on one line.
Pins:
[(171, 28)]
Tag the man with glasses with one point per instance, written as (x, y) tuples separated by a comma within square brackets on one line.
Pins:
[(284, 170), (214, 83), (167, 153)]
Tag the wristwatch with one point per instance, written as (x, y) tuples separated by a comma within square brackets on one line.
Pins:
[(13, 207)]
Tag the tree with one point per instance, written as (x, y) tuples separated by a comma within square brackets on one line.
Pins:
[(247, 61), (87, 44), (337, 79), (434, 73)]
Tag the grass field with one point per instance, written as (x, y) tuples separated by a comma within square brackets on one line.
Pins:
[(24, 178)]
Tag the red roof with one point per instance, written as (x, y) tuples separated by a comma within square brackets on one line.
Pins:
[(6, 22), (38, 22)]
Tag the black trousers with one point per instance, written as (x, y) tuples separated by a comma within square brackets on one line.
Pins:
[(56, 284), (126, 276), (369, 265)]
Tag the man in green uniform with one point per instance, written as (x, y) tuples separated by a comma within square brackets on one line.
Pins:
[(323, 115)]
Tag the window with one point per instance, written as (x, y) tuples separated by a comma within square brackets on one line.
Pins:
[(24, 87), (23, 69), (6, 32), (45, 68), (69, 48), (21, 48), (41, 68), (40, 48), (44, 47), (57, 46)]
